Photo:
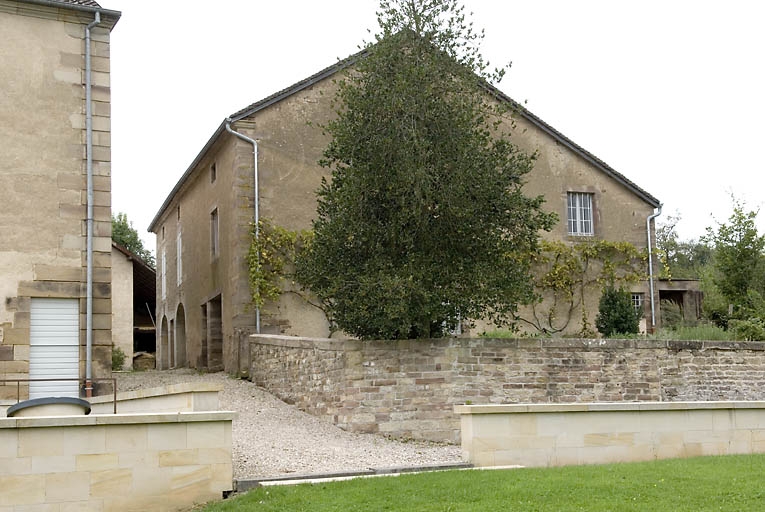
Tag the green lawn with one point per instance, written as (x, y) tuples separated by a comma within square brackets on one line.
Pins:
[(733, 483)]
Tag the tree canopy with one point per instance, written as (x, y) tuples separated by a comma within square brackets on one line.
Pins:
[(424, 221), (124, 234)]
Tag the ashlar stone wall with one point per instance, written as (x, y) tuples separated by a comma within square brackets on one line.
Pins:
[(408, 389)]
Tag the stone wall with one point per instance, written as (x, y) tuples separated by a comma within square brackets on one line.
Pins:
[(531, 435), (145, 462), (409, 388)]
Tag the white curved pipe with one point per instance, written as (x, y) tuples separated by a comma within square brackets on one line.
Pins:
[(256, 205)]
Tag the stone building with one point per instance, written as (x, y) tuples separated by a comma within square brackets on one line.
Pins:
[(54, 177), (203, 227)]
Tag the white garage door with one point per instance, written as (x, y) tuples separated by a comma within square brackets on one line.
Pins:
[(54, 347)]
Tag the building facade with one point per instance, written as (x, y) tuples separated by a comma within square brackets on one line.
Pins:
[(203, 228), (44, 228)]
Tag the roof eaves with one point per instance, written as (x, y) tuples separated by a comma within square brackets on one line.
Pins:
[(248, 111), (349, 61), (111, 15), (186, 175)]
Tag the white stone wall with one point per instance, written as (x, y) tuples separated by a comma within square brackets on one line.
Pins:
[(600, 433)]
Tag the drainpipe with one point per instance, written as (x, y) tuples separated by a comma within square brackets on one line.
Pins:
[(256, 206), (648, 220), (89, 159)]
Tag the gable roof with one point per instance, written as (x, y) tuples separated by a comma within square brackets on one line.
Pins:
[(349, 61)]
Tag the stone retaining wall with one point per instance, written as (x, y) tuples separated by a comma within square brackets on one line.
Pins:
[(574, 434), (409, 388)]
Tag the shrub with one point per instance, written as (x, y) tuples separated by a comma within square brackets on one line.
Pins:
[(752, 329), (616, 314), (118, 358)]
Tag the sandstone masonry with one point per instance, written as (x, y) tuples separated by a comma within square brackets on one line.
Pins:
[(408, 389)]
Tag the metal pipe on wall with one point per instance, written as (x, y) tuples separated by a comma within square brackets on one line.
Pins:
[(648, 220), (89, 218), (255, 193)]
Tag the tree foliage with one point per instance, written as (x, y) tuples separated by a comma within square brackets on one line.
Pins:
[(616, 313), (680, 259), (739, 262), (124, 234), (424, 221)]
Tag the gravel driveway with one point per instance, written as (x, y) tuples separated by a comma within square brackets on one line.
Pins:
[(272, 438)]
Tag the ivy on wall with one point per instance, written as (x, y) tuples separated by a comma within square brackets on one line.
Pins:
[(565, 274), (271, 259)]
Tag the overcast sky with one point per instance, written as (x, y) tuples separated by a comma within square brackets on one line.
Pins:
[(669, 93)]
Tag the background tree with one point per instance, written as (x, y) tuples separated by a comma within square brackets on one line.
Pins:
[(424, 221), (124, 234), (739, 262), (680, 259)]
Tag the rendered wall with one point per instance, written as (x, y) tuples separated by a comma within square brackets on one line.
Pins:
[(409, 388), (561, 435), (115, 462), (122, 305), (42, 176)]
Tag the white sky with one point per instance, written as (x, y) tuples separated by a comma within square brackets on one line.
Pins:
[(670, 93)]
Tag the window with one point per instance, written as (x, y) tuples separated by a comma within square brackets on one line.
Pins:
[(213, 173), (637, 302), (580, 214), (163, 271), (179, 256), (214, 249)]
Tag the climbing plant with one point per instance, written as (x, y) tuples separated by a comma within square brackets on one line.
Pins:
[(564, 274), (271, 259)]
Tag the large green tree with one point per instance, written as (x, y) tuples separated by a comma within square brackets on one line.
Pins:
[(424, 221), (124, 234), (739, 262)]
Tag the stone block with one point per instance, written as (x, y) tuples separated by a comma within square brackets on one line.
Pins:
[(188, 457), (16, 336), (6, 353), (206, 434), (97, 462), (22, 490), (8, 443), (15, 465), (85, 440), (127, 438), (42, 442), (69, 486), (57, 273), (167, 436), (112, 482), (53, 464)]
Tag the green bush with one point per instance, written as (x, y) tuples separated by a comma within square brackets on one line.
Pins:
[(118, 358), (616, 314), (752, 329), (707, 332)]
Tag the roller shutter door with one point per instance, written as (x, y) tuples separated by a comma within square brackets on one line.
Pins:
[(54, 347)]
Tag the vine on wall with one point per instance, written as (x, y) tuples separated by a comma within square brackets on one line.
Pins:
[(564, 274), (271, 260)]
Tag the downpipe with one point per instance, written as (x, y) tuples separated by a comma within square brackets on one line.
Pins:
[(89, 218), (648, 220), (255, 193)]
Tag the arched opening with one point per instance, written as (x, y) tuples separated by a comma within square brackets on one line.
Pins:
[(180, 337), (163, 344), (171, 345)]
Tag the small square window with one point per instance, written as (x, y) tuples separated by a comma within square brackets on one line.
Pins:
[(213, 173), (579, 209)]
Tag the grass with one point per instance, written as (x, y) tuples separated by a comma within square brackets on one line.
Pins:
[(731, 483)]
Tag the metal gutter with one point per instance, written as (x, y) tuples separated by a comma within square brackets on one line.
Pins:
[(77, 7)]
